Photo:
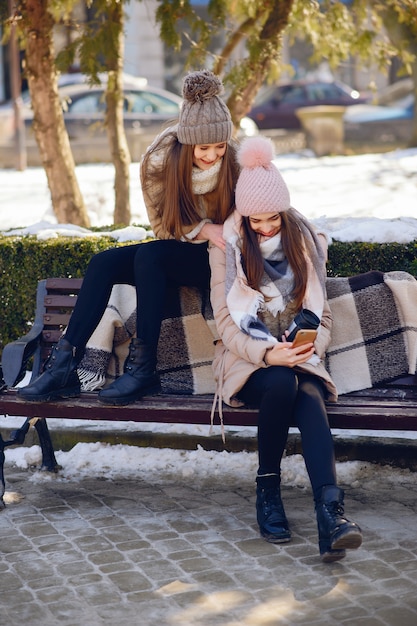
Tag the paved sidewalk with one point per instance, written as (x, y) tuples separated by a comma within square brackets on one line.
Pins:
[(173, 553)]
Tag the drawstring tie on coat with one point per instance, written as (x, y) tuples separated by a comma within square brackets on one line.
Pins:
[(218, 400)]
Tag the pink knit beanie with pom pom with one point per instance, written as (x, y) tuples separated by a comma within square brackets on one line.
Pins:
[(260, 187)]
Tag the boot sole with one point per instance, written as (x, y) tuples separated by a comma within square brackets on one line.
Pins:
[(129, 399), (276, 538), (350, 541), (49, 397), (333, 556)]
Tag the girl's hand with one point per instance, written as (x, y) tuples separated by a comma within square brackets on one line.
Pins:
[(214, 234), (284, 354)]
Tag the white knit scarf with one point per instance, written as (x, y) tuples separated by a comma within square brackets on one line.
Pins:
[(204, 181), (244, 303)]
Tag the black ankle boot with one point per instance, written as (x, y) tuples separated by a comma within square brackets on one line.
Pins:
[(336, 533), (273, 524), (139, 376), (59, 378)]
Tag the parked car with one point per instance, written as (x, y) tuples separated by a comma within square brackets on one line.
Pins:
[(389, 121), (275, 106), (146, 111)]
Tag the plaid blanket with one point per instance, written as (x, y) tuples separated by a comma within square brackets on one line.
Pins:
[(374, 334), (185, 349), (374, 337)]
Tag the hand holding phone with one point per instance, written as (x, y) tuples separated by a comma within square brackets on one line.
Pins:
[(304, 335)]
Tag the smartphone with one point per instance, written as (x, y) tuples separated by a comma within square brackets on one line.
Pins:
[(304, 336)]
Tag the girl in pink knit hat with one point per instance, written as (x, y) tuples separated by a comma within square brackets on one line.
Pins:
[(268, 284)]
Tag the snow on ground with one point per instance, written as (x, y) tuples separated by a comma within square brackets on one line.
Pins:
[(203, 467), (369, 197)]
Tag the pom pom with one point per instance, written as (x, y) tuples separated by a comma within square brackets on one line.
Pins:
[(256, 152), (199, 86)]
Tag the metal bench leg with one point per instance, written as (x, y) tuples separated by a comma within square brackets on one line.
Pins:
[(17, 438), (49, 462)]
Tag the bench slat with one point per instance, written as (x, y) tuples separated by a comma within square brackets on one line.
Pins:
[(51, 336), (64, 284), (350, 412), (56, 319), (60, 302)]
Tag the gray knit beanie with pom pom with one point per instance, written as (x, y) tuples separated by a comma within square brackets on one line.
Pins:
[(204, 117)]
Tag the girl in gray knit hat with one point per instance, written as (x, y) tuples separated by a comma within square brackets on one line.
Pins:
[(188, 178)]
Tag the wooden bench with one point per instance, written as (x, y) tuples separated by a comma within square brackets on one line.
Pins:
[(391, 407)]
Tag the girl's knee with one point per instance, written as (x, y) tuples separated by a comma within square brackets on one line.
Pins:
[(102, 261), (312, 387), (152, 252)]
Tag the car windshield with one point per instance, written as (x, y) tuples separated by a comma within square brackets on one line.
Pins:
[(148, 102), (89, 103), (323, 91), (283, 93), (291, 93), (266, 94), (134, 102)]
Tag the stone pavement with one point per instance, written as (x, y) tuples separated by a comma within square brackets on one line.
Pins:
[(172, 553)]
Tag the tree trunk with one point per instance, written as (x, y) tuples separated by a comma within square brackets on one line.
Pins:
[(48, 121), (114, 123), (398, 33), (254, 68)]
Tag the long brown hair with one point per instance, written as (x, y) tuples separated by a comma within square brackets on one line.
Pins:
[(295, 247), (172, 177)]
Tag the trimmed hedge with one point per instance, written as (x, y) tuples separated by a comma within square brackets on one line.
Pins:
[(349, 259), (24, 261)]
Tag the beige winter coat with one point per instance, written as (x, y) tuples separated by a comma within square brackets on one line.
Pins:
[(238, 355)]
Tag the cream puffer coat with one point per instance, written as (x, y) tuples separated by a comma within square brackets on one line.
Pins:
[(238, 355)]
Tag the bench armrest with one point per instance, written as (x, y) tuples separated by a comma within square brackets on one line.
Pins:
[(15, 358), (16, 354)]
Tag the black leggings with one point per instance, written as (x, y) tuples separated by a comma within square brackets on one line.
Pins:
[(151, 267), (284, 396)]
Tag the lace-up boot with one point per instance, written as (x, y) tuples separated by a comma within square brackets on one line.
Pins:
[(273, 524), (138, 379), (59, 378), (336, 533)]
